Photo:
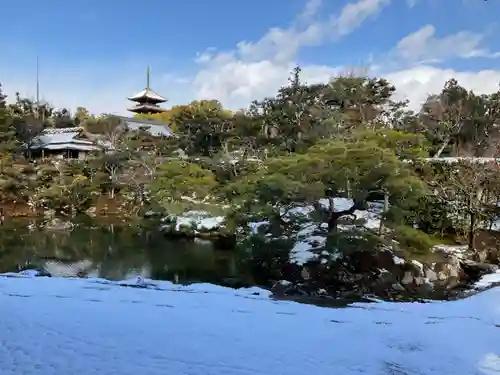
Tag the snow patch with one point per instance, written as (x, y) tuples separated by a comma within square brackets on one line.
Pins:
[(487, 281), (460, 251), (398, 260), (196, 220)]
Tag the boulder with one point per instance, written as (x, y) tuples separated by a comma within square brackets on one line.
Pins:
[(59, 224)]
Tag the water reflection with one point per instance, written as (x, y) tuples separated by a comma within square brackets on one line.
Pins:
[(117, 251)]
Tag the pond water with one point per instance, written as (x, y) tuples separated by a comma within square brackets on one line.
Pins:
[(118, 251)]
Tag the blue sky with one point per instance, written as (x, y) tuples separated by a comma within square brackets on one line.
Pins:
[(94, 53)]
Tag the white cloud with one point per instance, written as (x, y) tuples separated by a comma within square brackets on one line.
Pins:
[(354, 14), (257, 69), (424, 45), (416, 83)]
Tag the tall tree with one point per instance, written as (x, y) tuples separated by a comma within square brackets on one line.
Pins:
[(460, 122), (8, 141)]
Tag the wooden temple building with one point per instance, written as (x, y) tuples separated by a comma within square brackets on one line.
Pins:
[(63, 143), (77, 143), (147, 101)]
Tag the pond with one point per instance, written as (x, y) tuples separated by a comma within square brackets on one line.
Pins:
[(118, 251), (114, 250)]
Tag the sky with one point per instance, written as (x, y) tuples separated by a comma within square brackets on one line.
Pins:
[(95, 53)]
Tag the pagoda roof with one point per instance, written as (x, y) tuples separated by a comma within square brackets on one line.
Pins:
[(148, 94), (146, 108)]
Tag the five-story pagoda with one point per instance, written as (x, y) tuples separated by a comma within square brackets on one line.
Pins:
[(147, 101)]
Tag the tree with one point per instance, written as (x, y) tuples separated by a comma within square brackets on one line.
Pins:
[(460, 119), (291, 120), (359, 99), (105, 128), (114, 166), (8, 141), (68, 190), (329, 169), (203, 127), (178, 179), (469, 189)]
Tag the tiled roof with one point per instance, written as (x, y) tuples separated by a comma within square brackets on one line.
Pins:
[(149, 94), (62, 138), (153, 127)]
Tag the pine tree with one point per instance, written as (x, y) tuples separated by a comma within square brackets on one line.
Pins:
[(8, 141)]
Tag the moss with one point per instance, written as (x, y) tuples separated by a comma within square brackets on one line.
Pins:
[(413, 241)]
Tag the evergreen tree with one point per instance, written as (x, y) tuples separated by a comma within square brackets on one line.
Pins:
[(8, 142)]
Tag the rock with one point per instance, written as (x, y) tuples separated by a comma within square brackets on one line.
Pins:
[(305, 274), (398, 287), (407, 278), (430, 275), (476, 269), (49, 214), (285, 288), (386, 277), (419, 281), (487, 246), (59, 224), (92, 212), (35, 272)]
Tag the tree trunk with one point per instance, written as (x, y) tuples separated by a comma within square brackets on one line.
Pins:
[(334, 216), (472, 230), (443, 146), (386, 209)]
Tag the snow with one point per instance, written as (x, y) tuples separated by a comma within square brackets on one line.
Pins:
[(307, 240), (398, 260), (371, 216), (460, 251), (467, 159), (90, 326), (198, 220), (488, 280)]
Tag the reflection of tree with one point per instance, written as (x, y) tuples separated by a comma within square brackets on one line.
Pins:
[(116, 251)]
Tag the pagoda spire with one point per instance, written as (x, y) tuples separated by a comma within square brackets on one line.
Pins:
[(147, 101)]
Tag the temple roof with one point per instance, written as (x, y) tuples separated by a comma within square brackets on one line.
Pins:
[(156, 128), (147, 95), (62, 139), (146, 108)]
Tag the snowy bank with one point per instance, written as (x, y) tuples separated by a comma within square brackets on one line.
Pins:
[(76, 326), (387, 272)]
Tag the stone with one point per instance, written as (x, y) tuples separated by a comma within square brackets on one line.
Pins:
[(407, 278), (49, 214), (398, 287), (91, 211), (431, 275), (59, 224)]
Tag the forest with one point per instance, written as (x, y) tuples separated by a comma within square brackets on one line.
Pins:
[(433, 170)]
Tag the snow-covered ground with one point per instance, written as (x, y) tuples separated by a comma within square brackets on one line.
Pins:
[(89, 326)]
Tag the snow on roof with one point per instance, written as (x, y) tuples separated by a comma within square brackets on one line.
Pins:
[(148, 93), (61, 139), (156, 128), (75, 129)]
